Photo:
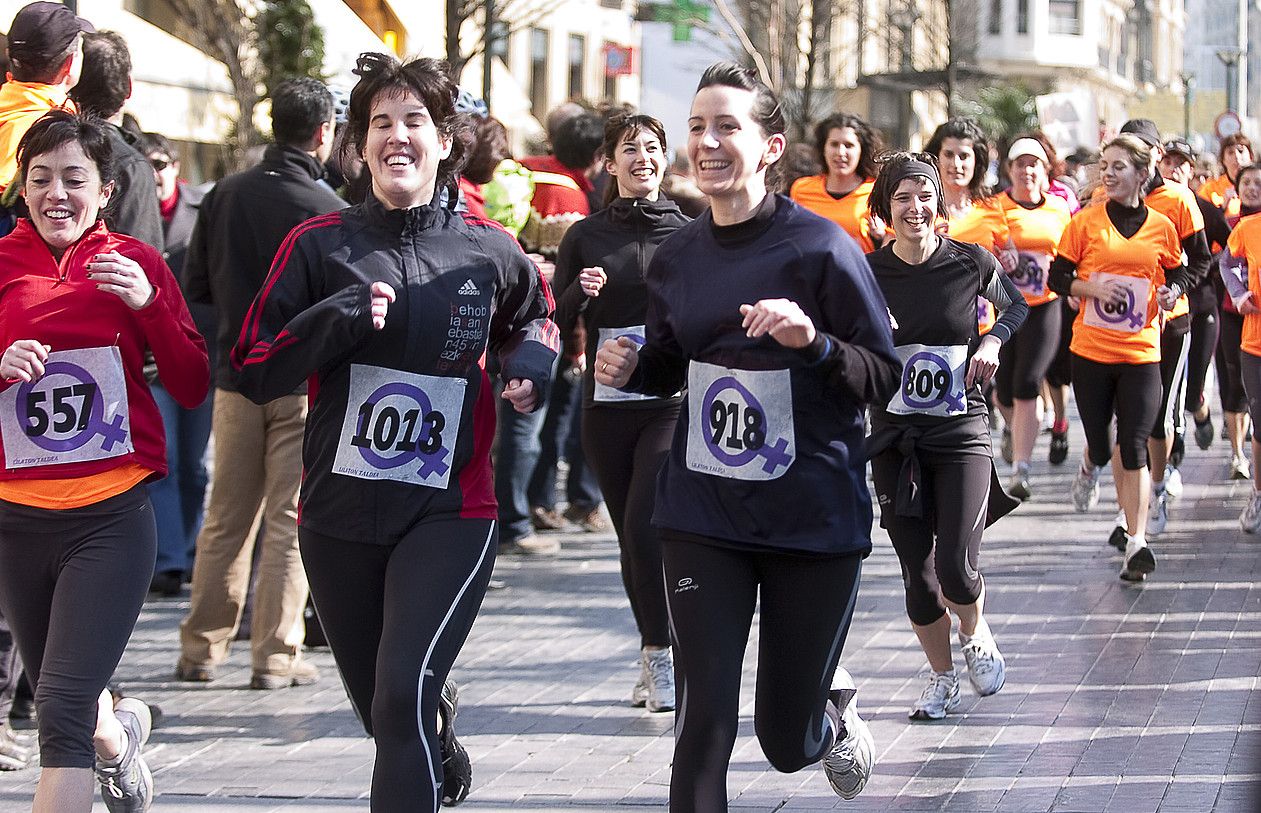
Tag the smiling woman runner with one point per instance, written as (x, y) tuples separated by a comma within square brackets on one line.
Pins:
[(846, 146), (79, 308), (770, 316), (930, 446), (388, 306)]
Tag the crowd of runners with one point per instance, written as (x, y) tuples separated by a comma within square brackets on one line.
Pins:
[(727, 383)]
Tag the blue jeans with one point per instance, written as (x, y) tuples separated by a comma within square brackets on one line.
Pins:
[(516, 452), (178, 498), (561, 437)]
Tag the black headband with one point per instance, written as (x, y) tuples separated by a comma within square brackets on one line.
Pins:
[(912, 169)]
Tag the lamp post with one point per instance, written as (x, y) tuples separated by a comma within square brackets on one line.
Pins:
[(488, 49), (1230, 58), (1188, 96)]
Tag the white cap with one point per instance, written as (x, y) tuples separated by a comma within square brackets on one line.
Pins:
[(1027, 146)]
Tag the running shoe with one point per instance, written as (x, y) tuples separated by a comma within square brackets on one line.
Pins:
[(848, 765), (14, 755), (457, 771), (1007, 450), (1139, 560), (939, 697), (1239, 469), (1117, 538), (639, 694), (1085, 490), (1160, 512), (660, 666), (1059, 448), (546, 519), (127, 786), (1018, 486), (987, 669), (1204, 431), (1177, 449), (1250, 519), (1173, 481)]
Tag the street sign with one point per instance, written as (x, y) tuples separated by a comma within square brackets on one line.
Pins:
[(1227, 124), (683, 16)]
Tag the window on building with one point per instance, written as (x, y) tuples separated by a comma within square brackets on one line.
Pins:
[(577, 64), (1065, 16), (1022, 16), (610, 88), (540, 43), (1123, 53), (996, 17)]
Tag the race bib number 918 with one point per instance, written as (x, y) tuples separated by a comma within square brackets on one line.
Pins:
[(400, 426), (740, 422), (75, 413)]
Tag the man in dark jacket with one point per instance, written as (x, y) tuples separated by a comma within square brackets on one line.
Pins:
[(104, 86), (258, 449)]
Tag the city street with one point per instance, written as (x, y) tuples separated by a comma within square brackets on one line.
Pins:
[(1118, 697)]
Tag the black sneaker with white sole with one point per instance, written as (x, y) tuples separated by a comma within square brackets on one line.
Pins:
[(457, 770)]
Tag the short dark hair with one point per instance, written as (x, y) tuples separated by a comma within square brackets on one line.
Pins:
[(1226, 143), (890, 176), (105, 82), (766, 109), (622, 126), (298, 107), (868, 140), (490, 148), (969, 130), (58, 127), (41, 69), (430, 81), (156, 142), (577, 140)]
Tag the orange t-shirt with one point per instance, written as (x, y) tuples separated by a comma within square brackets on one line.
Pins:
[(74, 492), (1095, 246), (981, 225), (1035, 233), (1177, 202), (849, 211), (1214, 190), (1245, 242)]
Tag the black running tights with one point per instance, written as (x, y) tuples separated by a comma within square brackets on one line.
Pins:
[(1205, 325), (625, 448), (1131, 392), (806, 605), (1229, 377), (396, 616)]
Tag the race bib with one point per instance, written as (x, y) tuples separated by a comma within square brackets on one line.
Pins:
[(400, 426), (932, 380), (75, 413), (740, 422), (1030, 273), (1130, 316), (604, 394)]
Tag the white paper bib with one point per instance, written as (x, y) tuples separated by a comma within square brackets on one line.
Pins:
[(75, 413), (604, 394), (400, 426), (1030, 273), (740, 422), (932, 380), (1128, 317)]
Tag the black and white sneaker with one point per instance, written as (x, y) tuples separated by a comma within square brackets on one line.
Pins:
[(457, 771), (127, 787)]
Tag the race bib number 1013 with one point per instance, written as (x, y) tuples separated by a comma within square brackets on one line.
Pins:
[(740, 422)]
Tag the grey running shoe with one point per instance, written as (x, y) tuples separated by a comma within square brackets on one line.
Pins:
[(940, 696), (848, 765), (14, 755), (1160, 512), (128, 786), (987, 669), (1250, 519), (1173, 482), (660, 665), (1085, 490), (639, 694), (1139, 561), (457, 771)]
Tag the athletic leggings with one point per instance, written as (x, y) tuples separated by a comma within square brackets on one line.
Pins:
[(1229, 379), (1175, 344), (71, 586), (1250, 366), (1129, 391), (939, 551), (1024, 361), (396, 616), (1205, 325), (625, 448), (1060, 374), (806, 605)]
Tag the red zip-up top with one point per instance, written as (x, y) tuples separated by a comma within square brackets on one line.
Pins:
[(55, 303)]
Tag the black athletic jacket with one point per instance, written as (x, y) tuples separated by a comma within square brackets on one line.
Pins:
[(622, 239), (463, 287)]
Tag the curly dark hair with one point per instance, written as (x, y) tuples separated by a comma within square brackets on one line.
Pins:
[(868, 139), (430, 81), (965, 129)]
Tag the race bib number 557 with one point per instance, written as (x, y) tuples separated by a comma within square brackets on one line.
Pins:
[(400, 426), (740, 422), (75, 413)]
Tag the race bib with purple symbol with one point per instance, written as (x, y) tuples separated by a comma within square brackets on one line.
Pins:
[(75, 413), (932, 380), (604, 394), (1029, 275), (400, 426), (740, 422), (1127, 316)]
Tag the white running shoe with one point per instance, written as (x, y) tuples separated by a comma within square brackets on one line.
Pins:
[(1139, 560), (1085, 490), (987, 669), (940, 696), (1239, 469), (1173, 482), (1250, 519), (1160, 512), (639, 694), (848, 765), (660, 666)]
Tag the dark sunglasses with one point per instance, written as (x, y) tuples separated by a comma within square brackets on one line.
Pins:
[(160, 164)]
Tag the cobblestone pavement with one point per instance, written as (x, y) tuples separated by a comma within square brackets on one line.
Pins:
[(1118, 697)]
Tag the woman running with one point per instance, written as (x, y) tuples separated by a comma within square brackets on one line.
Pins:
[(930, 445), (1239, 272), (600, 275), (770, 316), (1123, 260), (82, 436), (847, 147), (1036, 219), (1234, 152), (388, 306)]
